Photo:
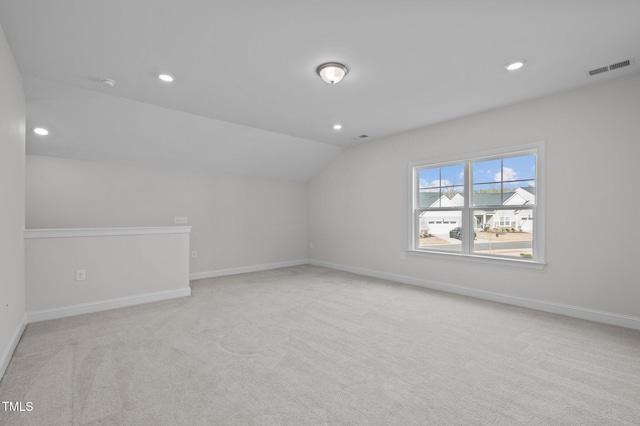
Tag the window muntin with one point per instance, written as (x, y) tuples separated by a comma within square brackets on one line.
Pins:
[(494, 196), (495, 180), (440, 200), (434, 183)]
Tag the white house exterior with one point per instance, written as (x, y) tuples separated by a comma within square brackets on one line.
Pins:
[(517, 219), (441, 222)]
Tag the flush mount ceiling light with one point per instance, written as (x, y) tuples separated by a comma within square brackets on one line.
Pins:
[(337, 126), (40, 131), (167, 78), (332, 72), (515, 65)]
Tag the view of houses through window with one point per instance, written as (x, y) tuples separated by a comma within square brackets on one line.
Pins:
[(478, 206)]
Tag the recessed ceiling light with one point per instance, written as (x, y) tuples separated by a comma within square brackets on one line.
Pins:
[(337, 126), (40, 131), (167, 78), (515, 65), (108, 82)]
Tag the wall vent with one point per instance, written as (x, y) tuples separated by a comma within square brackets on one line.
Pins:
[(611, 67)]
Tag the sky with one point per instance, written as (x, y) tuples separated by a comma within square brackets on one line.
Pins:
[(486, 174)]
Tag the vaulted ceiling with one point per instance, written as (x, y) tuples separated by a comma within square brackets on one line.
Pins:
[(246, 98)]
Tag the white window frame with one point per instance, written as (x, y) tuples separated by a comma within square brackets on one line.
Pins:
[(467, 222)]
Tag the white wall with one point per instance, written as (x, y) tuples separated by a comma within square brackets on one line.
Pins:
[(358, 204), (238, 222), (123, 267), (12, 148)]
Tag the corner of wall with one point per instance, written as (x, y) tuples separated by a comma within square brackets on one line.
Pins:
[(12, 196)]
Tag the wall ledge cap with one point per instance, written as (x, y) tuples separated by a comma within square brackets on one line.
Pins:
[(103, 232)]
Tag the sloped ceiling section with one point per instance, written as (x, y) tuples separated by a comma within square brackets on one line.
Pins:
[(252, 63), (89, 125)]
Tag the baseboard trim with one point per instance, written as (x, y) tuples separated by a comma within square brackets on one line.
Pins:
[(605, 317), (5, 358), (246, 269), (105, 305)]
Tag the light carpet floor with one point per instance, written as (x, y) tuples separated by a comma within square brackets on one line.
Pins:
[(314, 346)]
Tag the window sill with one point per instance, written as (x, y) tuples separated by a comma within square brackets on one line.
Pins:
[(475, 258)]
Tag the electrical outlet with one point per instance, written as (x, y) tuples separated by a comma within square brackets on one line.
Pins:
[(194, 254), (180, 220), (81, 274), (310, 245), (403, 255)]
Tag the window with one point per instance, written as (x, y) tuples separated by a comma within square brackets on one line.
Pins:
[(505, 221), (480, 206)]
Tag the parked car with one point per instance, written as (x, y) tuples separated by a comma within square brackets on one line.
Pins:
[(457, 233)]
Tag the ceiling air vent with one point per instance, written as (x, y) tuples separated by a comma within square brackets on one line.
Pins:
[(363, 136), (611, 67), (620, 65), (598, 70)]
